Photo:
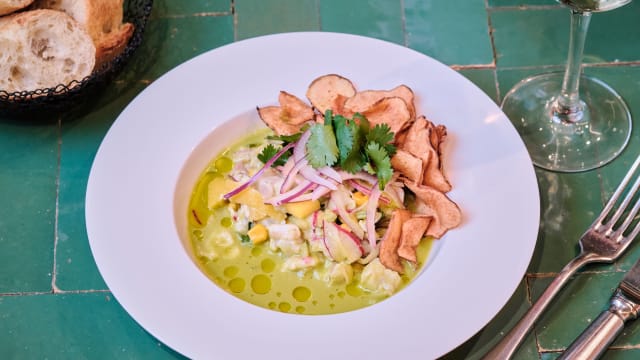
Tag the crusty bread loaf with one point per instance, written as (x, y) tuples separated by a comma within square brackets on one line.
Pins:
[(9, 6), (103, 21), (41, 49)]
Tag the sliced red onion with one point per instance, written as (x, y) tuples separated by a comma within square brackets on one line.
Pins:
[(316, 194), (300, 150), (291, 175), (291, 194), (311, 174), (257, 174), (344, 214), (372, 205), (367, 190), (361, 175), (332, 174)]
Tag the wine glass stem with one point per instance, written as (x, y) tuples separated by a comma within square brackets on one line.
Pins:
[(568, 105)]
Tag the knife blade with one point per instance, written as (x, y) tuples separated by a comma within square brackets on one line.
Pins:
[(624, 306)]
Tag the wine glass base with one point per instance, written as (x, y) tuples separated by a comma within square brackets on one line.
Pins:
[(565, 146)]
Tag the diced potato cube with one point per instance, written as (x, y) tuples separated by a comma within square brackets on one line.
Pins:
[(302, 209), (258, 233), (360, 198)]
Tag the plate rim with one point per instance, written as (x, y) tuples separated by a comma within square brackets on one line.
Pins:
[(98, 163)]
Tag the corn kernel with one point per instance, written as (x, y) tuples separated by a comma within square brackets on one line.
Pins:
[(258, 233), (302, 209), (360, 198)]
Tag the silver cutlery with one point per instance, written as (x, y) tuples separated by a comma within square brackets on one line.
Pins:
[(603, 242), (623, 307)]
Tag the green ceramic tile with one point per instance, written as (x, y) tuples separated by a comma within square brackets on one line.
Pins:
[(28, 171), (621, 354), (73, 326), (75, 267), (530, 37), (496, 3), (613, 34), (577, 305), (483, 341), (566, 214), (259, 17), (376, 18), (169, 42), (455, 32), (485, 79), (181, 8), (541, 36)]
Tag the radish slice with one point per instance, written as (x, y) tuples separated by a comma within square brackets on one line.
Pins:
[(257, 174), (341, 209), (352, 237), (372, 205)]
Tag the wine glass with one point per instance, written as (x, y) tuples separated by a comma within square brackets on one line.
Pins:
[(571, 122)]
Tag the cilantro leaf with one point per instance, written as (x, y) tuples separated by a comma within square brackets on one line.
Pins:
[(322, 149), (379, 158), (269, 152), (382, 134), (350, 138)]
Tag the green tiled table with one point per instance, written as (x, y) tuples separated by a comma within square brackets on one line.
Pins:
[(55, 305)]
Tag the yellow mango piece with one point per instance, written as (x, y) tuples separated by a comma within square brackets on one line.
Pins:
[(217, 188), (258, 233), (258, 210), (360, 198), (302, 209)]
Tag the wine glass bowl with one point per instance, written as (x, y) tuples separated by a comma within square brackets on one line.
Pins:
[(568, 121)]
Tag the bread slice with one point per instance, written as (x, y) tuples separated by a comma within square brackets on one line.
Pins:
[(42, 49), (9, 6), (103, 21)]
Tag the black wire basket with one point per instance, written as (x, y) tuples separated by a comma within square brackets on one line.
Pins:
[(64, 97)]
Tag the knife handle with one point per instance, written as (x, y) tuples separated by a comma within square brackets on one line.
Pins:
[(595, 340)]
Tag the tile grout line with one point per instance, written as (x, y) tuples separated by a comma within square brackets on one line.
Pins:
[(494, 51), (59, 292), (524, 7), (234, 15), (405, 36), (54, 274)]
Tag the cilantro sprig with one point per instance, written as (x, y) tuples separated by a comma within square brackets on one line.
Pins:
[(350, 143), (353, 144)]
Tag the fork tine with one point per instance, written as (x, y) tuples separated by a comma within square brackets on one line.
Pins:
[(623, 206), (614, 198), (627, 221)]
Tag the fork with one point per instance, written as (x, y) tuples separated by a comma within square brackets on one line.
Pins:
[(604, 241)]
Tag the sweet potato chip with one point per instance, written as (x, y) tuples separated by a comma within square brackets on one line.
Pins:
[(391, 240), (419, 141), (392, 111), (294, 110), (271, 115), (363, 100), (408, 165), (446, 213), (412, 232), (328, 91)]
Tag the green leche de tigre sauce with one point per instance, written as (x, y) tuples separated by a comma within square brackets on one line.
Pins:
[(253, 272)]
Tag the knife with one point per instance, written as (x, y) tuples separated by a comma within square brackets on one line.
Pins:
[(623, 306)]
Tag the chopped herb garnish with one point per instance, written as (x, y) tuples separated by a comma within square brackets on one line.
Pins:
[(353, 144), (245, 239), (270, 151), (322, 149)]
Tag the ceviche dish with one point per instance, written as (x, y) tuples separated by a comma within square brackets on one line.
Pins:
[(332, 207)]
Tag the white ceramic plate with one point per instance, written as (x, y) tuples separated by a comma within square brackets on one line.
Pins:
[(144, 171)]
